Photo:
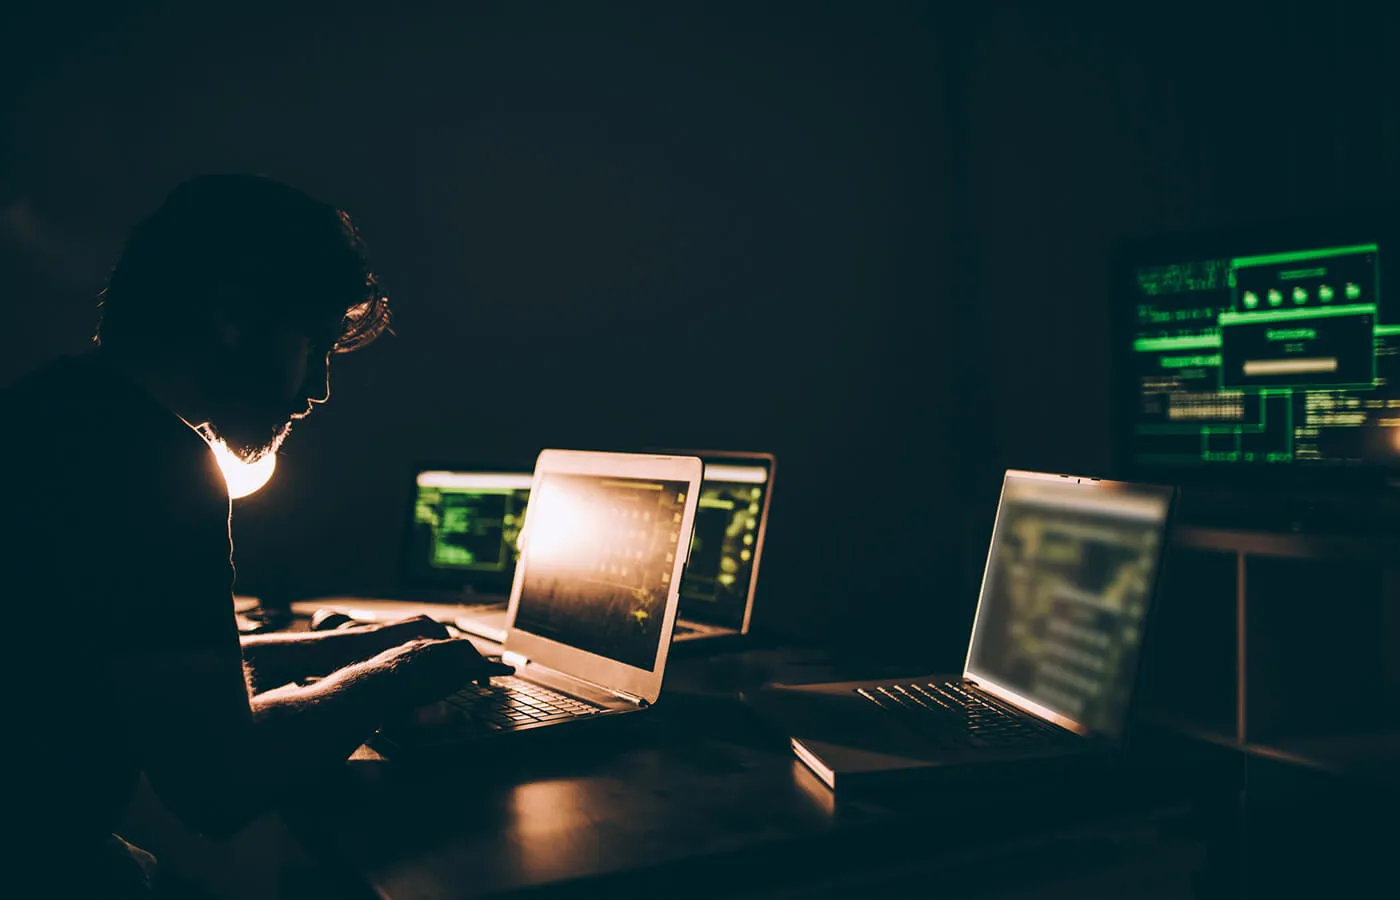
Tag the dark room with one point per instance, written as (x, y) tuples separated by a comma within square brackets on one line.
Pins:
[(384, 385)]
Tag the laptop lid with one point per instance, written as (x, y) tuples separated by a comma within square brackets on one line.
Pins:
[(1070, 576), (463, 527), (602, 554), (730, 524)]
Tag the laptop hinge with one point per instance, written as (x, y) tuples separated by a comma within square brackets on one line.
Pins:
[(516, 661)]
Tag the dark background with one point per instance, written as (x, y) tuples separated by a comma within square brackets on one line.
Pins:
[(872, 238)]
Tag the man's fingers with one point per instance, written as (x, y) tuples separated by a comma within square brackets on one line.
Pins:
[(418, 626), (488, 670)]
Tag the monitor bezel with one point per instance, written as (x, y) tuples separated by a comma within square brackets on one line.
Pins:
[(1006, 694), (465, 586), (770, 463), (1335, 228), (603, 671)]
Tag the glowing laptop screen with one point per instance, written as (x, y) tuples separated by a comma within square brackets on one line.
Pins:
[(1070, 574)]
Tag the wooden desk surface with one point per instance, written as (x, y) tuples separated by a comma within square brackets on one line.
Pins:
[(697, 800)]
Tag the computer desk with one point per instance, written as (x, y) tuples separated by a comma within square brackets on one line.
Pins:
[(699, 799)]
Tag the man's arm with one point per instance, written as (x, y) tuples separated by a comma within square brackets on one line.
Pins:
[(218, 759), (280, 658), (215, 757)]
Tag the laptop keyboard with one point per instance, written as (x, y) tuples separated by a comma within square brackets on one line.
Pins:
[(509, 702), (952, 712)]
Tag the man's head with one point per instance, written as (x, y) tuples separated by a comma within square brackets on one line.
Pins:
[(245, 287)]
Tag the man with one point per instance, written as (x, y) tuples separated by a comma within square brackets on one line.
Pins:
[(221, 315)]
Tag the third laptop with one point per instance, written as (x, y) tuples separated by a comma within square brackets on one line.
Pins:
[(1053, 656)]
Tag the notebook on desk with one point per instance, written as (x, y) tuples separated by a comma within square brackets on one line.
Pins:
[(717, 594), (592, 604), (1052, 659)]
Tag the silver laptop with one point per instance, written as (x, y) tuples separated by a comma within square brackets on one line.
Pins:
[(717, 594), (592, 604), (1053, 656)]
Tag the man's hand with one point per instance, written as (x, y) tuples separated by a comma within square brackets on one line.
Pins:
[(436, 668), (278, 658), (412, 628)]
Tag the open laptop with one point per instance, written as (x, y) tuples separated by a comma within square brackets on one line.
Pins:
[(461, 534), (592, 604), (717, 593), (1052, 661)]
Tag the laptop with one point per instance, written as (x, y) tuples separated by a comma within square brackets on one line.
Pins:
[(717, 593), (592, 604), (1052, 661), (461, 531)]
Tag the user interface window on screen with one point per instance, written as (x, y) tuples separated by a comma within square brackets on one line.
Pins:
[(598, 558), (1286, 357), (1070, 575), (716, 584), (470, 521)]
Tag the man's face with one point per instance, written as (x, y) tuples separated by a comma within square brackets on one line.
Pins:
[(264, 380)]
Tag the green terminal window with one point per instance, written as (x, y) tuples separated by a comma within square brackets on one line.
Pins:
[(1288, 357)]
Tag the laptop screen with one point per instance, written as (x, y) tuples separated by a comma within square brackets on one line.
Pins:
[(728, 539), (1070, 573), (465, 526), (599, 552)]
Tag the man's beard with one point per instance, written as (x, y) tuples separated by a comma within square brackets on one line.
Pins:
[(246, 440), (253, 415)]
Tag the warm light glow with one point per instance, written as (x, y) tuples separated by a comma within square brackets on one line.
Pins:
[(556, 828), (736, 474), (557, 527), (243, 478), (480, 481)]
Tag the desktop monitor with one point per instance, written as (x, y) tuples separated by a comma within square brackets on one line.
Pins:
[(1266, 355), (464, 526)]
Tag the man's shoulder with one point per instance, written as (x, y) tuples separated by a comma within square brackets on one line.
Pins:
[(58, 381), (70, 394), (78, 420)]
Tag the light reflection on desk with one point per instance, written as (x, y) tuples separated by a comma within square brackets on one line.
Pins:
[(558, 835), (566, 828), (477, 834)]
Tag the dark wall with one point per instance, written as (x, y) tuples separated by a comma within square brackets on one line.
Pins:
[(622, 229), (1080, 129), (868, 240)]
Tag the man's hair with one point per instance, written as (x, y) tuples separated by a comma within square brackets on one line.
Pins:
[(296, 259)]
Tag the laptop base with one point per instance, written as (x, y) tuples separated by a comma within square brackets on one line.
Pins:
[(486, 621), (489, 621), (441, 728), (847, 740), (599, 736), (380, 609)]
